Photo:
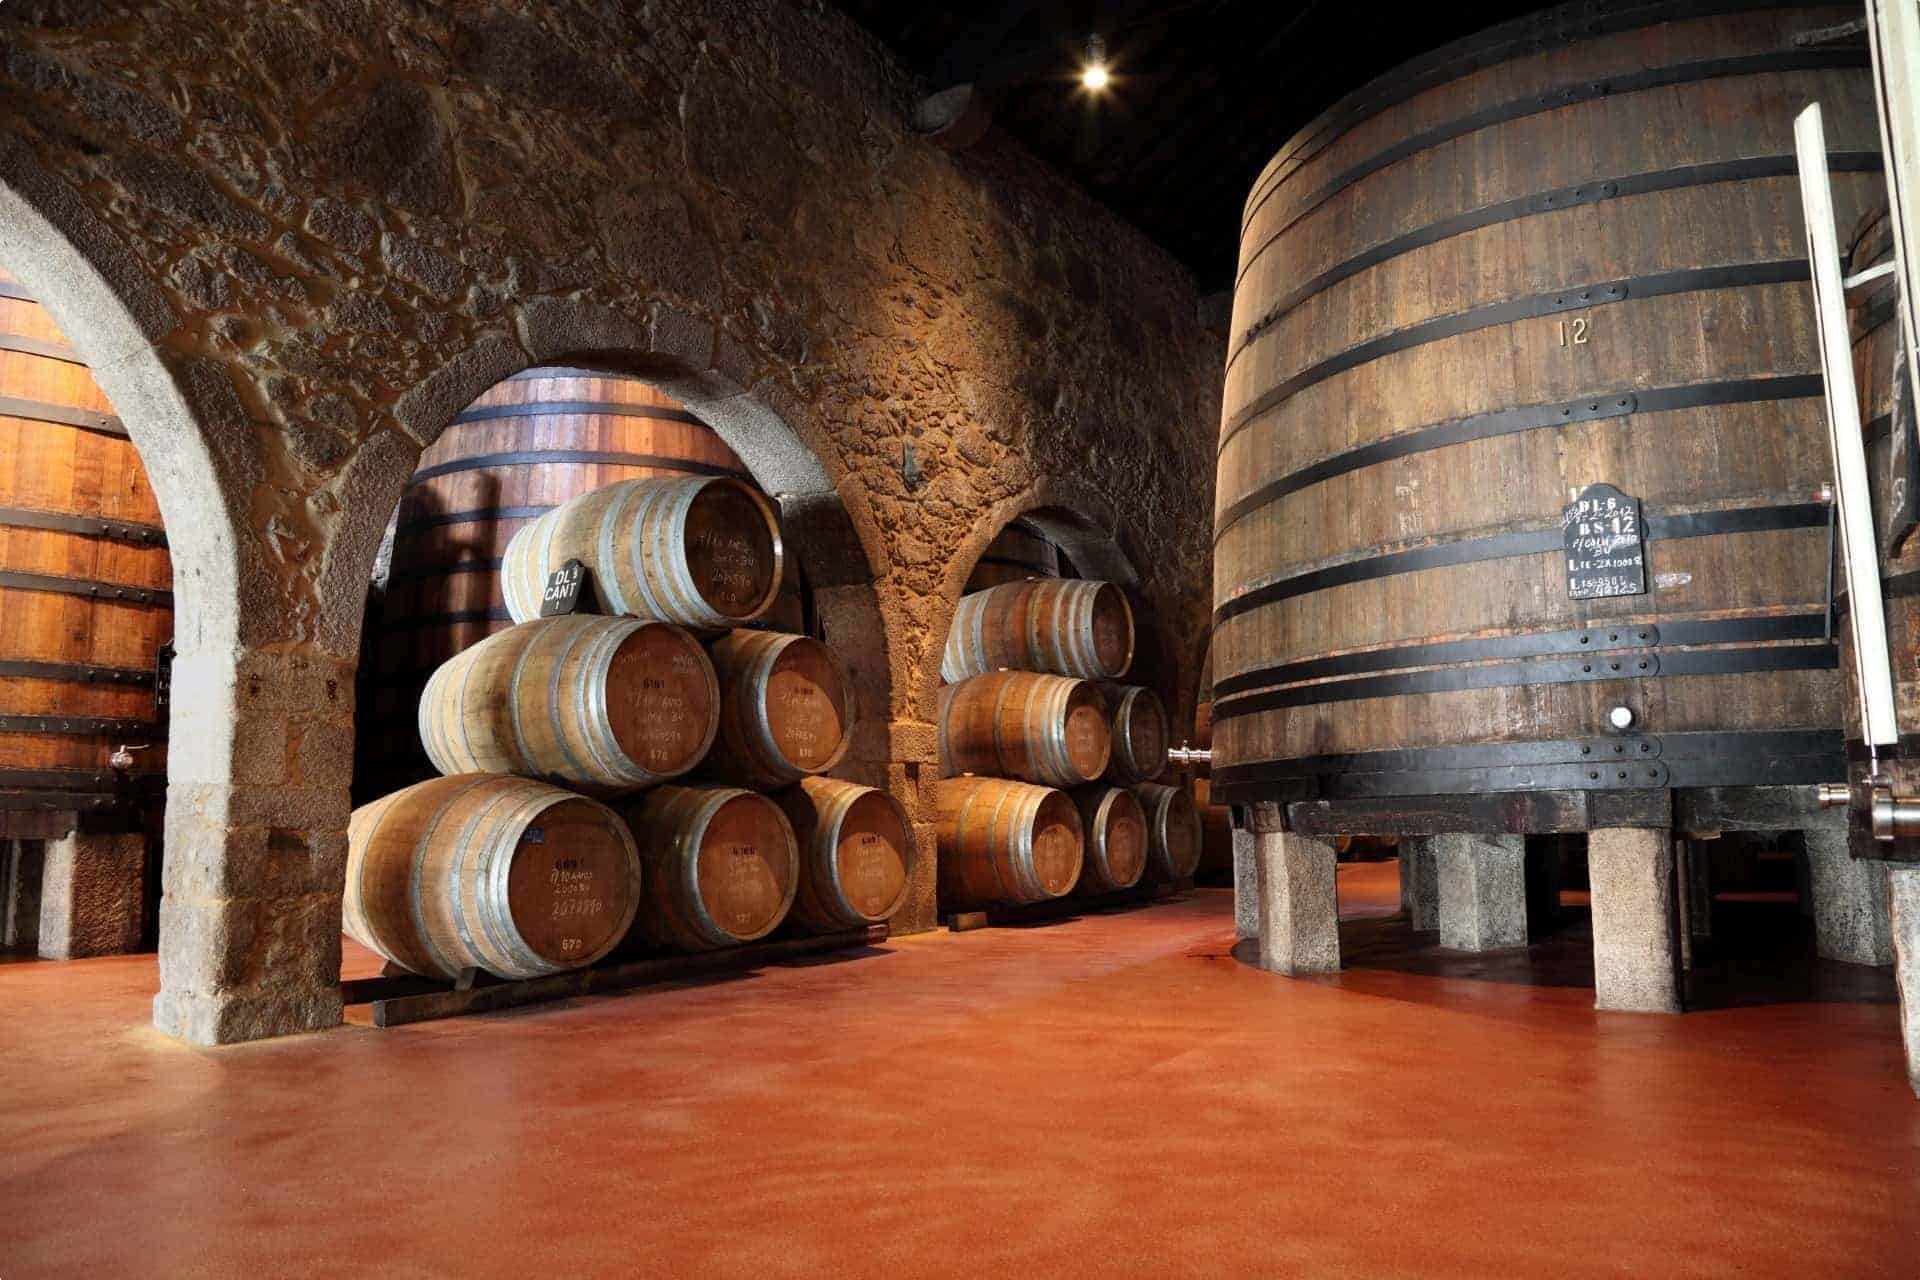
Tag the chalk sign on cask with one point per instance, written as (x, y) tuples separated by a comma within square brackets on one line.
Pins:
[(564, 585), (1605, 543)]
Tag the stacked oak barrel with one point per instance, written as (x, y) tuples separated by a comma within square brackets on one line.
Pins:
[(1046, 761), (645, 775)]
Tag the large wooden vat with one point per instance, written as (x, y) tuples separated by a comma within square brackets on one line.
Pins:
[(722, 865), (855, 847), (786, 708), (1568, 252), (85, 598), (1017, 724), (1017, 552), (601, 704), (484, 871), (529, 444), (1005, 842)]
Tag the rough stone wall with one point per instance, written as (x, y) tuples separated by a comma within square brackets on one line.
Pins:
[(312, 230)]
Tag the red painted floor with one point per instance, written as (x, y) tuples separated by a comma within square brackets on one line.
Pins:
[(1114, 1094)]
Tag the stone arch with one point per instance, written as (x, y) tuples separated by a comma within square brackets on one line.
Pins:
[(837, 547)]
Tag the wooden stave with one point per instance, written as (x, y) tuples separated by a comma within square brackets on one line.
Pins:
[(1101, 807), (632, 537), (670, 824), (1044, 625), (1000, 865), (746, 749), (1033, 746), (1808, 698), (68, 724), (573, 743), (1130, 762), (1168, 809), (394, 924), (819, 808)]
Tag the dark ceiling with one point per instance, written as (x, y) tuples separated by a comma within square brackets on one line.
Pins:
[(1203, 92)]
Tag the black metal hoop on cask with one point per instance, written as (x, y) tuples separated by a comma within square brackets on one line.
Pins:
[(1515, 272)]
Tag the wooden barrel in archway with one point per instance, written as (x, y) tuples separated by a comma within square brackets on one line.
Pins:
[(1474, 294), (527, 445), (85, 583), (1017, 552)]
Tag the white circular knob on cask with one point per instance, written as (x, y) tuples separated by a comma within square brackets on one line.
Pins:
[(1068, 627), (701, 552), (786, 708), (1116, 838), (722, 865), (1140, 734), (1174, 833), (1016, 724), (605, 704), (855, 847), (486, 871), (1005, 842)]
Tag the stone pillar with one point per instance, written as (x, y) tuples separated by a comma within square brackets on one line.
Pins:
[(1849, 902), (92, 894), (1299, 908), (1246, 886), (1420, 882), (20, 864), (1903, 896), (259, 758), (1635, 957), (1483, 891)]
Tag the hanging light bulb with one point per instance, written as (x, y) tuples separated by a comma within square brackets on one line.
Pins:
[(1094, 73)]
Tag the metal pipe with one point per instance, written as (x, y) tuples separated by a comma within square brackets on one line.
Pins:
[(1186, 757)]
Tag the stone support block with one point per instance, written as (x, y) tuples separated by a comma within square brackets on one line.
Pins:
[(1635, 948), (1299, 907), (1246, 886), (1483, 891), (1903, 896), (92, 895), (1849, 902), (1420, 882)]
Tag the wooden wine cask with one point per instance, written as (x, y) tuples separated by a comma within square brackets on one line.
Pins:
[(1066, 626), (1139, 731), (1017, 552), (1555, 255), (485, 871), (529, 444), (722, 865), (1115, 852), (85, 581), (1016, 724), (1005, 842), (786, 708), (602, 704), (1174, 836), (855, 847), (702, 552)]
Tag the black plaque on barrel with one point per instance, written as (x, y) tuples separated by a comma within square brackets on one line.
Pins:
[(565, 586), (1605, 543)]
